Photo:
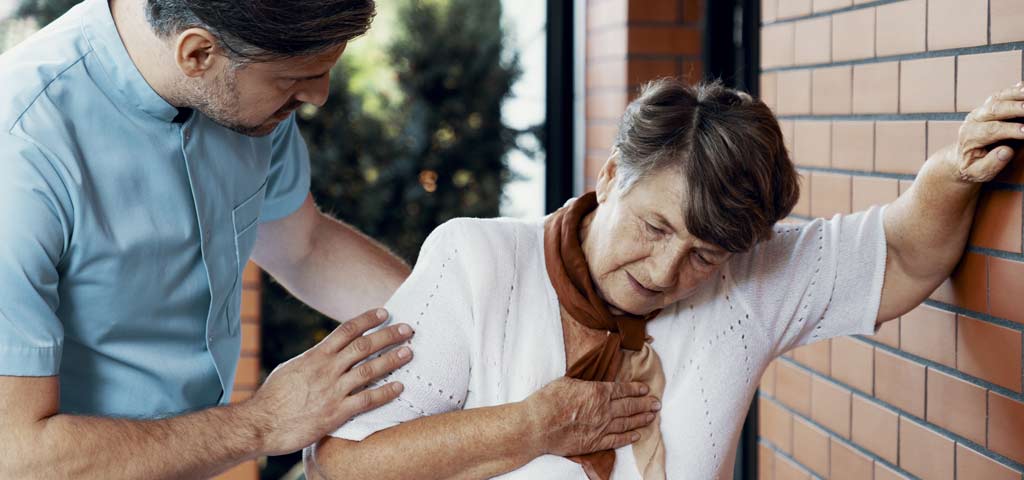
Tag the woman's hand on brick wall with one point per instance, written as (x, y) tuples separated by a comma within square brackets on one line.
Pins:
[(990, 136)]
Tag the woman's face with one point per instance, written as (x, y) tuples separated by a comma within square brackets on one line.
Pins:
[(640, 254)]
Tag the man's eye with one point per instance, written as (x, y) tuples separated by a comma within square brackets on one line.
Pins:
[(653, 229)]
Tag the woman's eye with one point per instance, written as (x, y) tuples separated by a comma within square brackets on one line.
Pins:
[(701, 261), (653, 229)]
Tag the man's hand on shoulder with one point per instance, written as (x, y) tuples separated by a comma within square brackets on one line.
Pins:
[(312, 395)]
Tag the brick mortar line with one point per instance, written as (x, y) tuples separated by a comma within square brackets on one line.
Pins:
[(893, 409), (931, 364), (832, 434), (878, 117), (978, 382), (949, 52), (992, 186), (999, 253), (771, 446), (851, 8), (984, 317)]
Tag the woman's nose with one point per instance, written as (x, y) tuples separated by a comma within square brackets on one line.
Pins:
[(665, 271)]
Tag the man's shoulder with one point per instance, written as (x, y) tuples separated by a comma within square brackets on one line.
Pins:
[(38, 64)]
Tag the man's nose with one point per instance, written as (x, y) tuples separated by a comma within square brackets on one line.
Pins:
[(315, 92)]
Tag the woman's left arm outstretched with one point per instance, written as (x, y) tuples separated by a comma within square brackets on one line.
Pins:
[(927, 228)]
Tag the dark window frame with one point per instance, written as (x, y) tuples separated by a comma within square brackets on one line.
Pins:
[(732, 53), (559, 128)]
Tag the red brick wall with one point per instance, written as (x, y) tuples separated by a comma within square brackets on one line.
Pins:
[(865, 90), (247, 377), (629, 42)]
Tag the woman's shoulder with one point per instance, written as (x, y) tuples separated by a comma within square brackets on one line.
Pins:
[(486, 246), (498, 236)]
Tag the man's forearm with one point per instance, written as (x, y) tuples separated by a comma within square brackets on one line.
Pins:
[(196, 445), (346, 272), (467, 444)]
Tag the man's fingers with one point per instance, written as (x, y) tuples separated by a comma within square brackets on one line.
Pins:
[(631, 389), (1003, 109), (353, 329), (367, 372), (617, 440), (626, 424), (370, 399), (366, 345)]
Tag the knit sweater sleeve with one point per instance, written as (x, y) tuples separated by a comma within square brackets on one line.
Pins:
[(435, 301), (814, 281)]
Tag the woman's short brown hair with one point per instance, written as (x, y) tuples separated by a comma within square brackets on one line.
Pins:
[(739, 180)]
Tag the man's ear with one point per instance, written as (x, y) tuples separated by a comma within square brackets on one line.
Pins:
[(197, 52), (606, 177)]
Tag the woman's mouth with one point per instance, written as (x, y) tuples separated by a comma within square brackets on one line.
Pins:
[(639, 288)]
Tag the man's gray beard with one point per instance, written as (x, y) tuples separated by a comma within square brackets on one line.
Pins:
[(220, 103)]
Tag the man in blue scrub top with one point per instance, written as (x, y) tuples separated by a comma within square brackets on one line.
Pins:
[(148, 150)]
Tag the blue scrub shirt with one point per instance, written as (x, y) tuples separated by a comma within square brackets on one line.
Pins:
[(123, 235)]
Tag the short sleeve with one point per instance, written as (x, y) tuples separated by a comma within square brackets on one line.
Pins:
[(434, 301), (288, 180), (818, 280), (33, 236)]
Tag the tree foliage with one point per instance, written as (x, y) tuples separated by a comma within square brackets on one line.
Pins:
[(438, 154), (44, 11)]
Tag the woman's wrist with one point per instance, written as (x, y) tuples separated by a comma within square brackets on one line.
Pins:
[(533, 425)]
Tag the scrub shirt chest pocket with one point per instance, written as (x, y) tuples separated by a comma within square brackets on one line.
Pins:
[(245, 218)]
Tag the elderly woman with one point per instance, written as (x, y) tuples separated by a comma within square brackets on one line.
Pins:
[(674, 273)]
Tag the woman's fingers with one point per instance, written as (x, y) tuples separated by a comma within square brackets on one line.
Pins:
[(987, 167), (617, 440), (999, 109), (629, 406), (631, 389), (1015, 92), (627, 424), (980, 135)]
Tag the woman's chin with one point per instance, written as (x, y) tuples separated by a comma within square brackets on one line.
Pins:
[(632, 308)]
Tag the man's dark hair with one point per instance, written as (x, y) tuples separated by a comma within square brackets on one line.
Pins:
[(738, 178), (264, 30)]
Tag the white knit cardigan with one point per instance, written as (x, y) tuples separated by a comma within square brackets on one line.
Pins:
[(488, 331)]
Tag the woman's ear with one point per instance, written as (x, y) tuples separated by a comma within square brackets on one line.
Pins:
[(196, 52), (606, 177)]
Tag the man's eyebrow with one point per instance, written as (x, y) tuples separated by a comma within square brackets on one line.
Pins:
[(311, 77)]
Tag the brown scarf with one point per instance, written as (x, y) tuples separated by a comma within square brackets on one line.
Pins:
[(570, 276)]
